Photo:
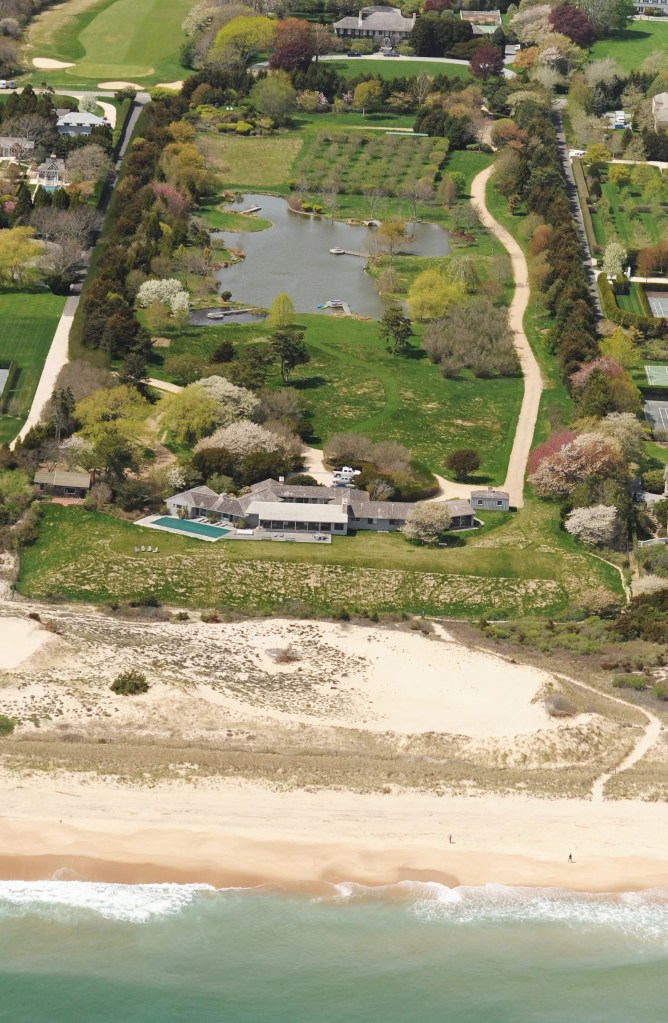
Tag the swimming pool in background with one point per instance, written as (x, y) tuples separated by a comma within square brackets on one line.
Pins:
[(198, 529)]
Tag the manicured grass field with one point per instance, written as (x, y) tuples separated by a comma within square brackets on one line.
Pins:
[(631, 303), (112, 39), (28, 321), (525, 566), (630, 47), (353, 383), (351, 67)]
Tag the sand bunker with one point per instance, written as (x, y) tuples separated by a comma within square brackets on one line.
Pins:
[(109, 112), (20, 638), (170, 85), (47, 64), (119, 85)]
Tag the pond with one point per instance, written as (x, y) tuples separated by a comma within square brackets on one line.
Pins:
[(293, 256)]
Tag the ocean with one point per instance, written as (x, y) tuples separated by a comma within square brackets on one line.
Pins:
[(77, 952)]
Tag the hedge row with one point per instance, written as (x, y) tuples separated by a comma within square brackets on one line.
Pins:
[(612, 310), (583, 194)]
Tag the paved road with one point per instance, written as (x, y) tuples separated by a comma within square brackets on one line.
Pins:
[(58, 354), (574, 203)]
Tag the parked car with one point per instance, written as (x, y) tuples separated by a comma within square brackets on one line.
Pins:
[(11, 85), (3, 83), (353, 53)]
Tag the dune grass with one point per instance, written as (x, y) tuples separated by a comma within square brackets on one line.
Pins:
[(524, 566), (113, 39), (28, 322)]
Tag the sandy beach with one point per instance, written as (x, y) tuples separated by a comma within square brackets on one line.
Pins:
[(244, 835), (287, 752)]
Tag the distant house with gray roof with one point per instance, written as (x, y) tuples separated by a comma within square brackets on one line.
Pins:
[(381, 24), (490, 499), (14, 148), (61, 483), (276, 506), (80, 123)]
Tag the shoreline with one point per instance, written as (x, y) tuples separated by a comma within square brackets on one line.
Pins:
[(242, 835)]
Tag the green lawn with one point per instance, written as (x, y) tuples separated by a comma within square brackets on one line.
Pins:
[(219, 219), (631, 303), (353, 383), (351, 67), (112, 39), (635, 220), (630, 47), (28, 322), (524, 566), (252, 162)]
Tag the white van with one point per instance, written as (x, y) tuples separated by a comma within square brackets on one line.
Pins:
[(3, 83)]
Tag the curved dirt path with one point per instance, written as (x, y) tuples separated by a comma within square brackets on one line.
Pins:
[(533, 381), (644, 744)]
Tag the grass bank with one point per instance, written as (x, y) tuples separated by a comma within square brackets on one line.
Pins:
[(525, 566)]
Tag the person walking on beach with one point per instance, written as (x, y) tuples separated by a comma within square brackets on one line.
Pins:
[(450, 840), (570, 858)]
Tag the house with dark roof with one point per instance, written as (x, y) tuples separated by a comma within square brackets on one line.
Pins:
[(276, 506), (381, 24), (61, 483)]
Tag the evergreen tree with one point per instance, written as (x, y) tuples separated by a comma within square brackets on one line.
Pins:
[(41, 197), (23, 208), (396, 329)]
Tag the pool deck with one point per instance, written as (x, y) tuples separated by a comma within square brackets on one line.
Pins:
[(150, 522)]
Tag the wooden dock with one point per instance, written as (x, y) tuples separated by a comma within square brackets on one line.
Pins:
[(349, 252)]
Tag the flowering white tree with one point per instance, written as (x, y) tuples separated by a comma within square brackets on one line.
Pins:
[(168, 291), (588, 455), (531, 24), (242, 438), (625, 430), (597, 526), (614, 259), (233, 402), (175, 477), (426, 521), (77, 453)]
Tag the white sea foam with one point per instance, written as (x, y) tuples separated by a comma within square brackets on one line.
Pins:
[(133, 903), (642, 915)]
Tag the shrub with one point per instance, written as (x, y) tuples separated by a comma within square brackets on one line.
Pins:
[(629, 681), (6, 725), (129, 683)]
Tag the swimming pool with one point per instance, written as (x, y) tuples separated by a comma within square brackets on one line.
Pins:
[(188, 526)]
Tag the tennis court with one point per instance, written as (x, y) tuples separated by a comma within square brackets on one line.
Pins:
[(657, 375), (656, 413), (658, 303)]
